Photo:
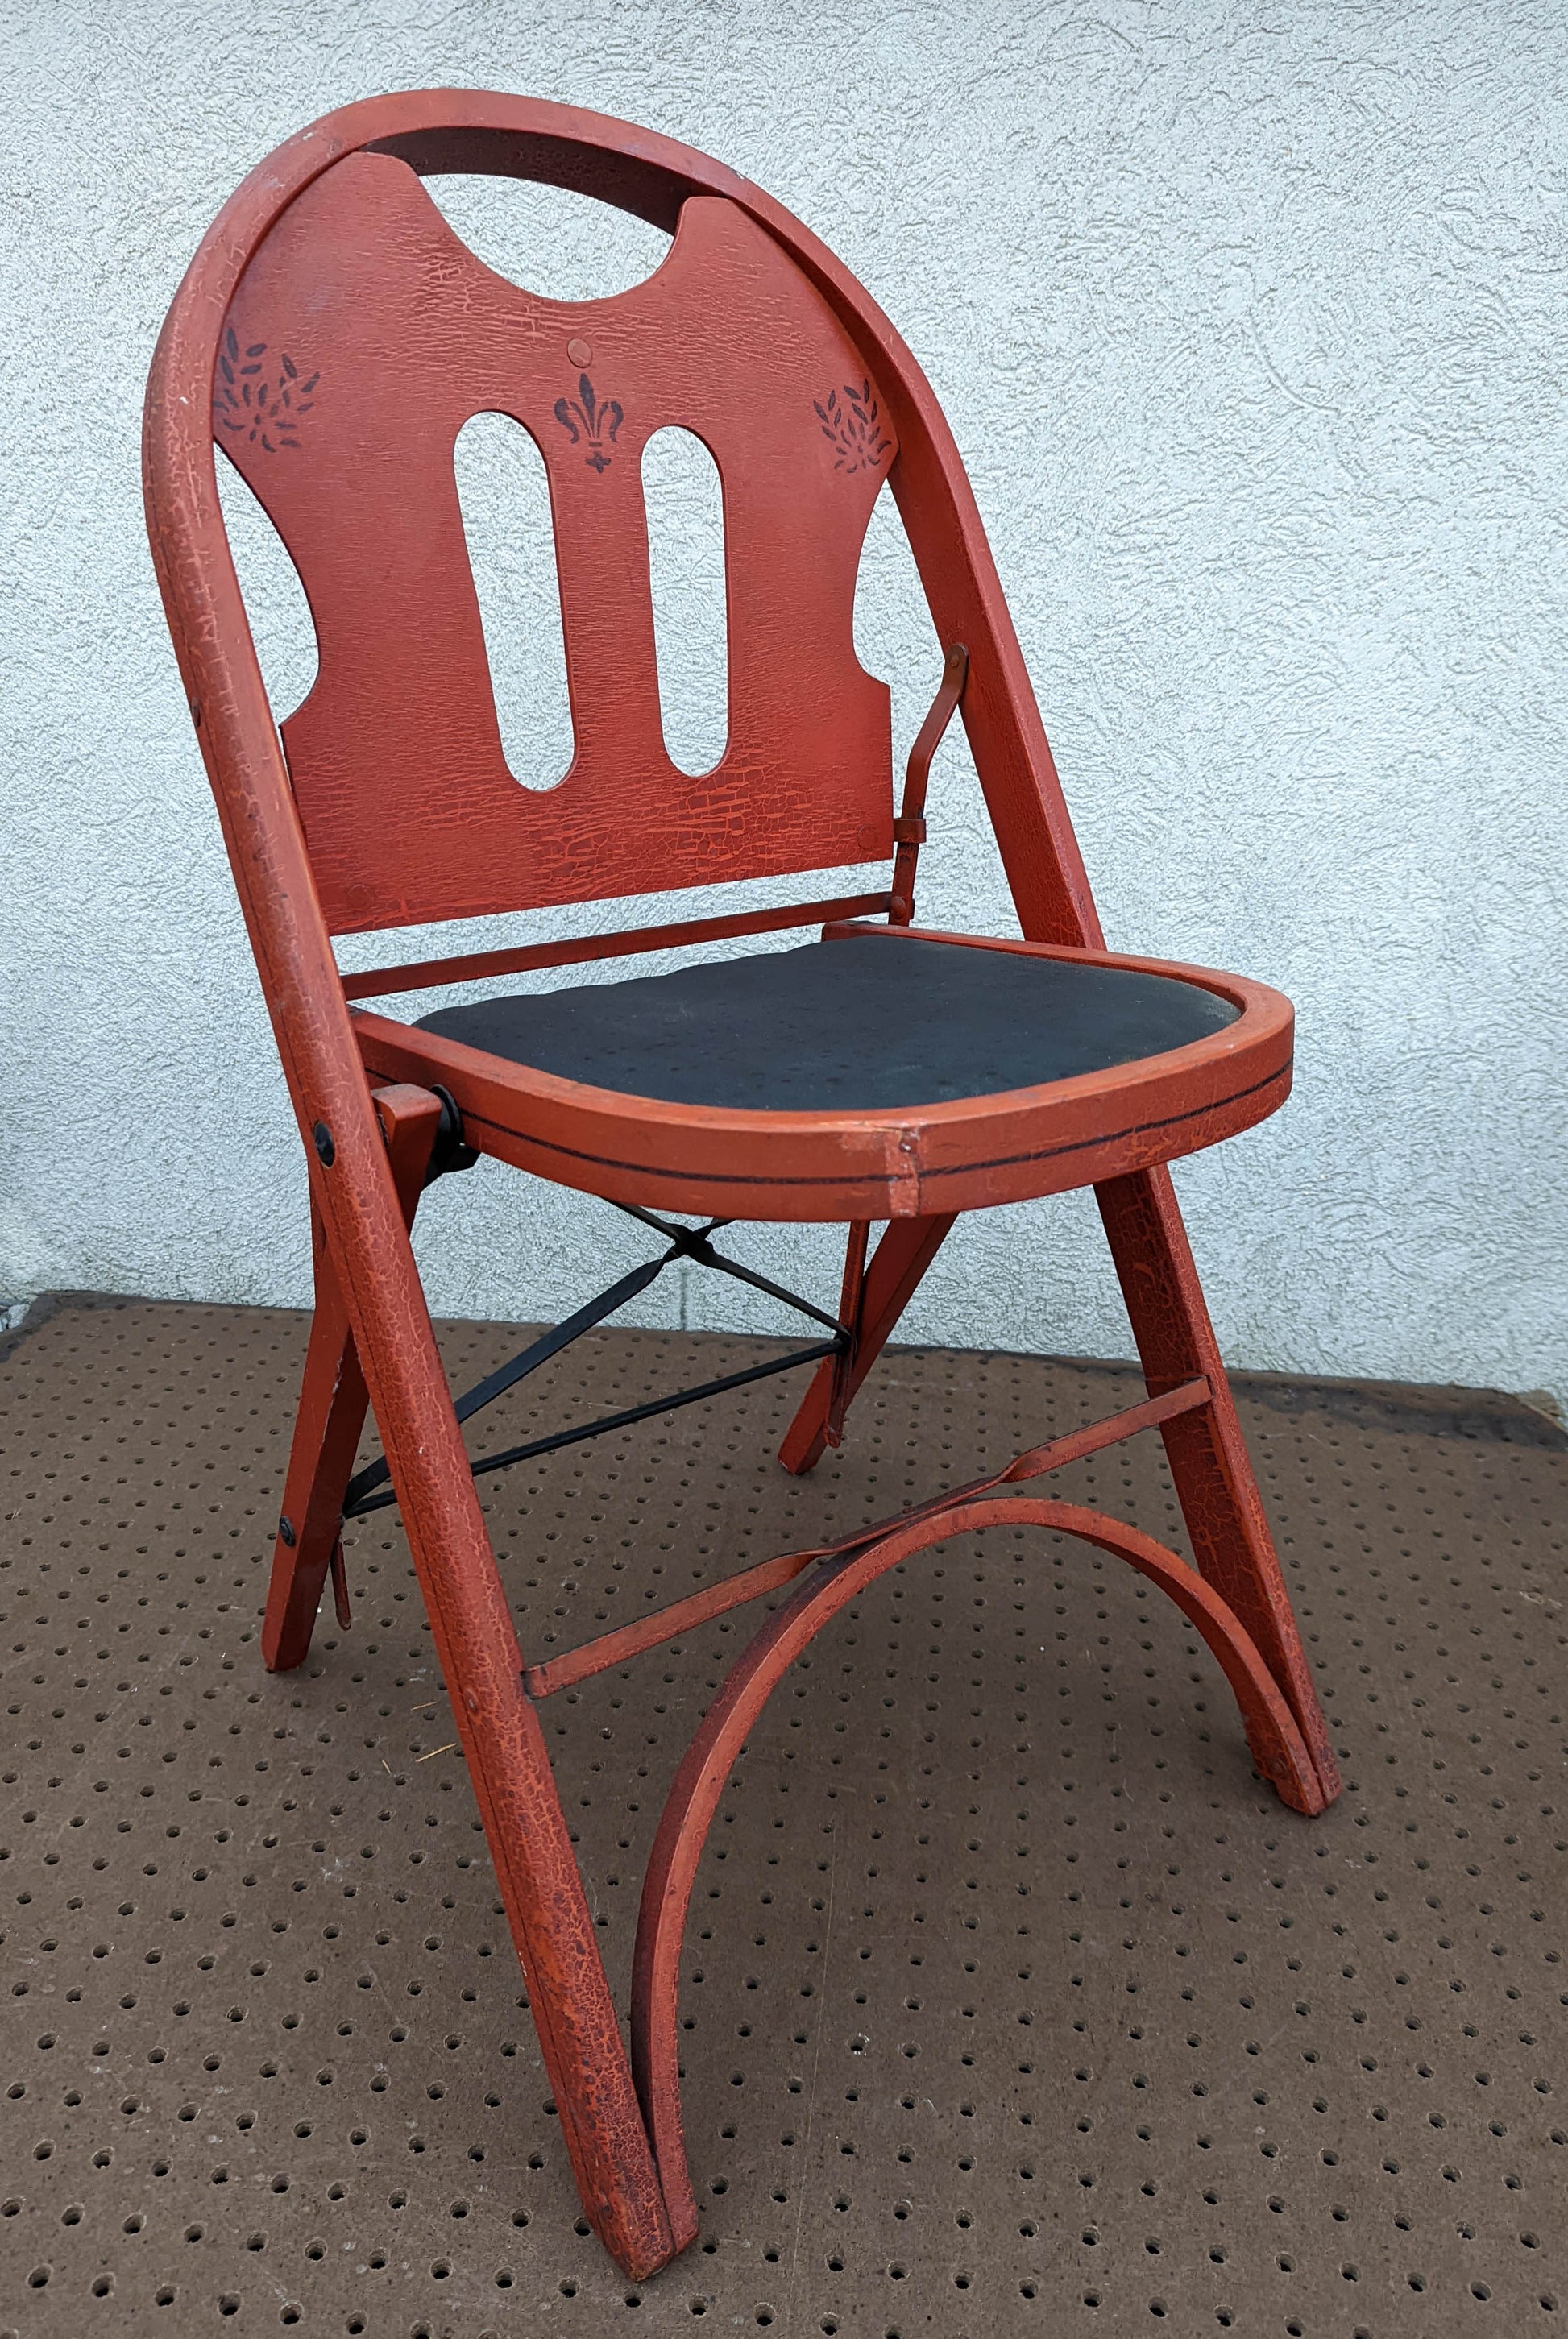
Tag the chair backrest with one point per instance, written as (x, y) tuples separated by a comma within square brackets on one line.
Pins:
[(362, 336), (333, 335)]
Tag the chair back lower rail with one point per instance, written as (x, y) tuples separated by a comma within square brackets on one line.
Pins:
[(380, 982)]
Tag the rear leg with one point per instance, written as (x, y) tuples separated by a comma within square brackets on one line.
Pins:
[(897, 1265), (333, 1401), (1205, 1449)]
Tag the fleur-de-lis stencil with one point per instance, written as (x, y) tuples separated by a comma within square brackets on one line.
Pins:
[(853, 425), (587, 420), (250, 402)]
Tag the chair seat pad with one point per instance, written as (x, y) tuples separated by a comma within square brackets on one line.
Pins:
[(862, 1023)]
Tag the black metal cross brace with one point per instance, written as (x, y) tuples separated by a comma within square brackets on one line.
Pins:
[(369, 1489)]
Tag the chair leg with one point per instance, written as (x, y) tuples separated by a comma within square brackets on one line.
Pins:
[(699, 1783), (1205, 1449), (585, 2057), (334, 1400), (897, 1265), (498, 1723)]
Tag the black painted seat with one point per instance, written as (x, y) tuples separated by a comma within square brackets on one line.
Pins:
[(868, 1023)]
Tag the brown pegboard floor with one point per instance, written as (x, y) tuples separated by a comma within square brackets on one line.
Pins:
[(1013, 2003)]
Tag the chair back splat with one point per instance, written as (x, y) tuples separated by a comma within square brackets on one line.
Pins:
[(396, 757), (333, 336)]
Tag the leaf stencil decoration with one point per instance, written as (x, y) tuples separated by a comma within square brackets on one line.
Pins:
[(259, 403), (852, 426)]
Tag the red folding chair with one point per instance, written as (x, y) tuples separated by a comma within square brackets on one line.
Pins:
[(333, 336)]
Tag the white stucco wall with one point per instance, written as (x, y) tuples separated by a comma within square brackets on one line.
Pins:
[(1250, 323)]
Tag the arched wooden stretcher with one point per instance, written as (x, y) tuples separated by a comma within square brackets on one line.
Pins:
[(333, 336)]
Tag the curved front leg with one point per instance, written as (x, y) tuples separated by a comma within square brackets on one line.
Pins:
[(1272, 1735), (333, 1402)]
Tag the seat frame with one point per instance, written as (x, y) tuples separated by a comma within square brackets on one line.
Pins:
[(382, 1109), (892, 1163)]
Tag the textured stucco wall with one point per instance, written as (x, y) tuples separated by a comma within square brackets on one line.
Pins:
[(1249, 322)]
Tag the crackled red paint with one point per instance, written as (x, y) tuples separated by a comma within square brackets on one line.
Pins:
[(333, 336)]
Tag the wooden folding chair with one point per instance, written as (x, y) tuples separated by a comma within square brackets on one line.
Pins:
[(332, 336)]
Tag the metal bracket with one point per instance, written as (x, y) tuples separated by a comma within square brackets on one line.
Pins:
[(449, 1153), (909, 828)]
